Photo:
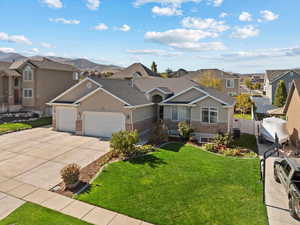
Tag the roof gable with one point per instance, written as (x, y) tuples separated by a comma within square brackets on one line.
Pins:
[(294, 87), (136, 68)]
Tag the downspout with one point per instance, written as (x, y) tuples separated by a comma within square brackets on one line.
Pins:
[(131, 116)]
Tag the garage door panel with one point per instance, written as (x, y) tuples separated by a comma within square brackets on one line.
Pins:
[(66, 119), (103, 124)]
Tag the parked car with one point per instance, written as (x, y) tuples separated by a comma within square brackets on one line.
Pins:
[(287, 172)]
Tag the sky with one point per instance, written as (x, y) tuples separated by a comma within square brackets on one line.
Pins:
[(238, 36)]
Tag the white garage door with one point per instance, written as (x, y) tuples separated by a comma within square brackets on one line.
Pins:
[(103, 124), (66, 119)]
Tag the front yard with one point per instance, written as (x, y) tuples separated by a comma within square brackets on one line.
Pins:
[(31, 214), (9, 127), (181, 184)]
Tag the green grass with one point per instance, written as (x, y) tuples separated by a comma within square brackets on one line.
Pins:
[(182, 185), (31, 214), (243, 116), (247, 141), (25, 125)]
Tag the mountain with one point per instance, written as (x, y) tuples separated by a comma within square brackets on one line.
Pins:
[(9, 57), (82, 64)]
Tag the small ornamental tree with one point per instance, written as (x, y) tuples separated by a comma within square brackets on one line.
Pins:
[(184, 130), (154, 67), (243, 103), (280, 94), (70, 175), (123, 142)]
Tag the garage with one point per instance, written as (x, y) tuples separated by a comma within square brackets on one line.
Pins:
[(66, 119), (102, 124)]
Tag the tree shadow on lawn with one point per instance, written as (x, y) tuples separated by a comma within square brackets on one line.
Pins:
[(150, 160), (173, 147)]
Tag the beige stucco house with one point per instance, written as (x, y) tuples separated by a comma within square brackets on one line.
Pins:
[(292, 111), (99, 107), (27, 85)]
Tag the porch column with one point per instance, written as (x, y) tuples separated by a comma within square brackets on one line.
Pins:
[(10, 91)]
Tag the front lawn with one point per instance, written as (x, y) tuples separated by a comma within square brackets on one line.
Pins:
[(7, 127), (31, 214), (243, 116), (181, 184)]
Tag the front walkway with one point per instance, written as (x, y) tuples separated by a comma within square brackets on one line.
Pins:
[(16, 194)]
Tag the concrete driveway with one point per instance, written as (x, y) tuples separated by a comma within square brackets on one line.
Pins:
[(36, 156)]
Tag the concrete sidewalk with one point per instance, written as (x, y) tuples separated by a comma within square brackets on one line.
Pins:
[(14, 193)]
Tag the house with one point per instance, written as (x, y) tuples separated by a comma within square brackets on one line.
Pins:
[(135, 70), (99, 107), (28, 84), (291, 110), (272, 78), (179, 73), (230, 82)]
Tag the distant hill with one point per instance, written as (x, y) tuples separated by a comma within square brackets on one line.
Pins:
[(82, 64)]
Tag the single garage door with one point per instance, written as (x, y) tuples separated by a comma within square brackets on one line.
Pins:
[(66, 119), (103, 124)]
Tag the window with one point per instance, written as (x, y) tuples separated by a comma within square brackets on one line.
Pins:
[(209, 115), (179, 113), (206, 140), (27, 73), (75, 76), (27, 93), (229, 83)]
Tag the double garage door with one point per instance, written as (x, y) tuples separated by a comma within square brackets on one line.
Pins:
[(97, 124)]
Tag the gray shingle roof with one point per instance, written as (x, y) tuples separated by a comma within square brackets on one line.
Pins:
[(4, 69), (43, 63), (273, 74), (214, 72), (124, 90), (138, 68), (136, 94)]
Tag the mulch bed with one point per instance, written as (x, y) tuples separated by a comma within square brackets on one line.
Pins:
[(86, 175)]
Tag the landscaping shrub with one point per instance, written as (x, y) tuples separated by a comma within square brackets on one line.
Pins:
[(223, 140), (159, 134), (123, 142), (70, 175), (184, 130), (210, 147)]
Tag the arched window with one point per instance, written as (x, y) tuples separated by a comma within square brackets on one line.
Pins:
[(157, 98), (27, 73)]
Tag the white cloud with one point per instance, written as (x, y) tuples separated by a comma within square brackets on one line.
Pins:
[(15, 38), (166, 11), (263, 53), (101, 26), (53, 3), (204, 24), (245, 32), (245, 16), (268, 16), (124, 28), (199, 46), (156, 52), (47, 45), (64, 21), (93, 4), (216, 3), (185, 39), (176, 3), (35, 50), (223, 15), (7, 50)]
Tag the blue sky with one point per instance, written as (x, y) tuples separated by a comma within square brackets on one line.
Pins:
[(238, 36)]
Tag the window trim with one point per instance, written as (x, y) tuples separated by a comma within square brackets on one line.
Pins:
[(27, 89), (231, 83), (172, 108), (209, 110), (27, 69)]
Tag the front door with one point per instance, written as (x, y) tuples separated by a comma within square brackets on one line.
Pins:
[(17, 96)]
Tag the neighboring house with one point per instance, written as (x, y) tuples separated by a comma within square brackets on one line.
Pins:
[(27, 85), (179, 73), (230, 81), (135, 70), (100, 107), (254, 78), (291, 110), (272, 77)]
